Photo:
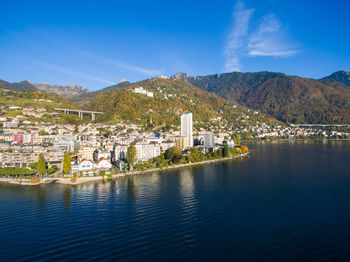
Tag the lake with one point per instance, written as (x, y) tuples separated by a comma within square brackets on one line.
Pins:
[(287, 201)]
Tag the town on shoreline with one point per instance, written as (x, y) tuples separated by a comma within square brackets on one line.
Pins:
[(73, 153), (92, 152), (109, 176)]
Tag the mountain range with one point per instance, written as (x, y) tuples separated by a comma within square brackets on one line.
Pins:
[(68, 91), (290, 99), (20, 86)]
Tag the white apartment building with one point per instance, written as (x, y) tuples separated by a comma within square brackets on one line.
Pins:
[(186, 129), (140, 90), (209, 139), (23, 156), (86, 152), (119, 152), (101, 153), (13, 124), (144, 152), (68, 145)]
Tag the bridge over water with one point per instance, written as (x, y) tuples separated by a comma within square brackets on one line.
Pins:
[(80, 112)]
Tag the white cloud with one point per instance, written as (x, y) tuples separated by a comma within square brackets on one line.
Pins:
[(57, 43), (135, 68), (267, 39), (236, 39), (145, 71), (75, 73)]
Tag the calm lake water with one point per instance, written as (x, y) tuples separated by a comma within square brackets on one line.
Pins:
[(285, 202)]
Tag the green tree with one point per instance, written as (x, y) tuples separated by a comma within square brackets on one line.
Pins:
[(103, 173), (237, 139), (108, 133), (52, 169), (170, 153), (41, 166), (194, 155), (12, 171), (226, 151), (33, 165), (131, 156), (67, 165), (173, 154)]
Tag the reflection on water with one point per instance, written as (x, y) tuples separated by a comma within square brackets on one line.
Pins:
[(187, 183), (67, 198), (131, 189), (287, 201)]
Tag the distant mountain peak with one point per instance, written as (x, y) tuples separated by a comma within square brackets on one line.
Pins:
[(181, 76), (17, 86), (123, 80), (67, 91), (75, 85), (340, 76)]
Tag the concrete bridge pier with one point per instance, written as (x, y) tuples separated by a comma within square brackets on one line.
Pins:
[(80, 112)]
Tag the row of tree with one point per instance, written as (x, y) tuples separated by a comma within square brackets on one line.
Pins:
[(13, 171), (41, 168), (173, 156)]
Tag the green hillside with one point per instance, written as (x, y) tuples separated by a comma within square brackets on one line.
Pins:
[(81, 99), (35, 100), (171, 99)]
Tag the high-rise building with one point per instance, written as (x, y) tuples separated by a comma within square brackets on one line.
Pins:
[(209, 139), (186, 128)]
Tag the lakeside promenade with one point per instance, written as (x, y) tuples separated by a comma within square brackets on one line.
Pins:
[(80, 180)]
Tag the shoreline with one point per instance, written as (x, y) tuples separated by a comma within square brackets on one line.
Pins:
[(81, 180), (293, 139)]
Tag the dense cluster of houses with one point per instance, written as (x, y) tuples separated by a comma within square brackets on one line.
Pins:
[(91, 149)]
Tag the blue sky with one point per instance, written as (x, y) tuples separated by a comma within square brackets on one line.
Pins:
[(98, 43)]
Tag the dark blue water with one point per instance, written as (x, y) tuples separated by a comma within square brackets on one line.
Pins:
[(286, 202)]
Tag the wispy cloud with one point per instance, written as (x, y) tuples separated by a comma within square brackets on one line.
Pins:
[(244, 40), (56, 43), (145, 71), (237, 37), (105, 60), (269, 39), (74, 72)]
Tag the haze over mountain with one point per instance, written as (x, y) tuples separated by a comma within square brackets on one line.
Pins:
[(288, 98), (69, 91)]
